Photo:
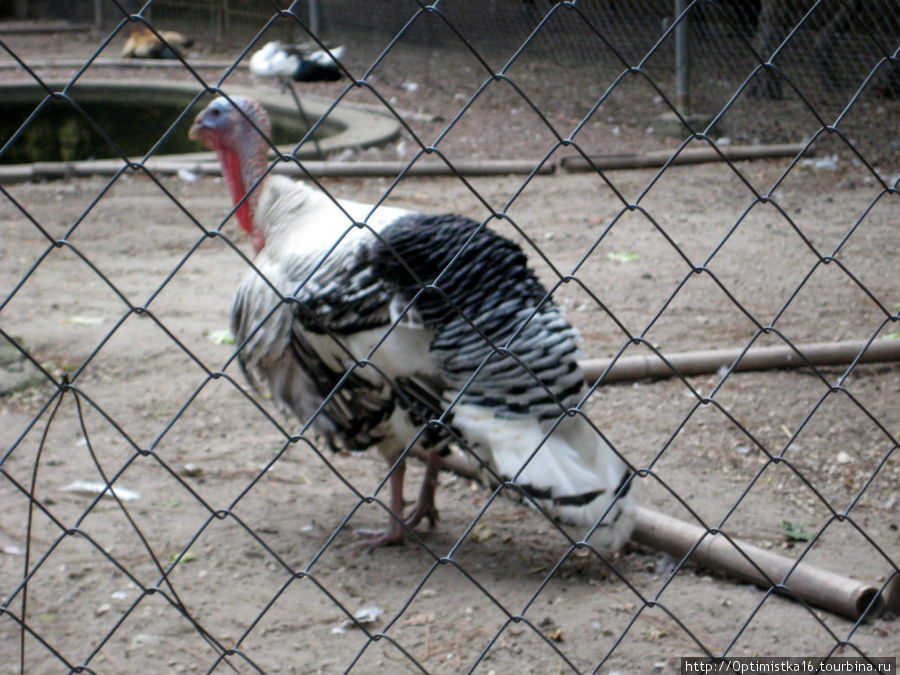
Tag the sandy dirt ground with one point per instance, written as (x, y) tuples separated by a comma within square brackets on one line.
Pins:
[(240, 538)]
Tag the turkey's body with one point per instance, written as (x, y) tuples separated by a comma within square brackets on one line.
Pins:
[(369, 349), (380, 327)]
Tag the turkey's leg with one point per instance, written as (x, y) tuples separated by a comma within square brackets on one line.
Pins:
[(395, 533), (425, 505)]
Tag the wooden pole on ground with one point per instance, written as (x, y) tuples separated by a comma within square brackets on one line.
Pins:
[(756, 358)]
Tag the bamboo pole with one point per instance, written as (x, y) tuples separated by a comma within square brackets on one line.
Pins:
[(687, 156), (498, 167), (169, 165), (162, 166), (839, 594), (756, 358)]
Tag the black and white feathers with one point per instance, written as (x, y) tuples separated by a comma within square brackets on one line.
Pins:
[(275, 59), (385, 328)]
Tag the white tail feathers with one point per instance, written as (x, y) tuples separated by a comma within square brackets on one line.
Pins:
[(571, 473)]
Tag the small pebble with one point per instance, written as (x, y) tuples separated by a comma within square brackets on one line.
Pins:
[(191, 469)]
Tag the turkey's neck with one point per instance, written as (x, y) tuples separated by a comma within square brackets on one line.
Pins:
[(242, 168)]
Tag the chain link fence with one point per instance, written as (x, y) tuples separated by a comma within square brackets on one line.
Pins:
[(228, 540)]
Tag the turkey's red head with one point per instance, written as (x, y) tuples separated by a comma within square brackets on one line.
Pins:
[(237, 129)]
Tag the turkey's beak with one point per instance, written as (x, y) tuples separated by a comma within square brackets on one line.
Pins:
[(194, 132), (199, 131)]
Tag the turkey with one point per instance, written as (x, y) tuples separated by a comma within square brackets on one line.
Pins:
[(276, 60), (386, 328)]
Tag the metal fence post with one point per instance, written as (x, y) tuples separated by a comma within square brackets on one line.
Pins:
[(682, 60)]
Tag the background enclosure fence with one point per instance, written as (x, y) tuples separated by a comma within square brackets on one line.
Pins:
[(226, 543)]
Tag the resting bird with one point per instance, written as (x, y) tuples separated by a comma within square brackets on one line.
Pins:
[(387, 328), (144, 44), (276, 60)]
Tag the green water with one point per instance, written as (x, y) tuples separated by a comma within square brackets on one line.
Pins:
[(130, 124)]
